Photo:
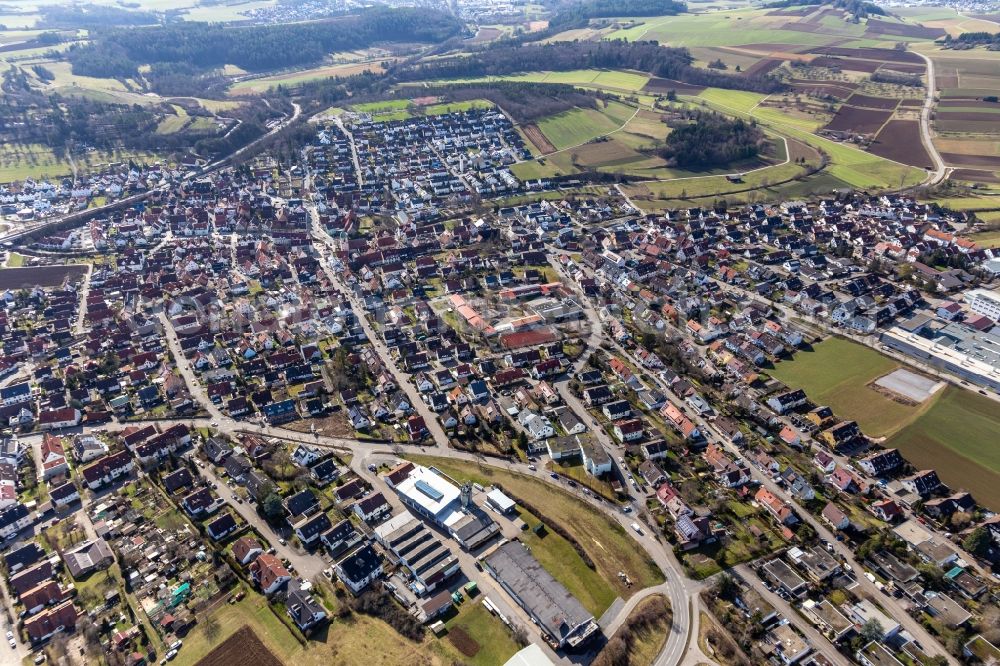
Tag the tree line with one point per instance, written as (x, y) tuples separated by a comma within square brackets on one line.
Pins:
[(712, 140), (645, 56), (857, 8), (524, 102), (578, 14), (975, 39), (118, 52)]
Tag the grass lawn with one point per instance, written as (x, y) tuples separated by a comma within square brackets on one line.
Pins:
[(579, 473), (836, 373), (15, 260), (455, 107), (987, 238), (561, 560), (957, 436), (174, 123), (357, 640), (604, 541), (577, 126), (647, 642), (496, 645)]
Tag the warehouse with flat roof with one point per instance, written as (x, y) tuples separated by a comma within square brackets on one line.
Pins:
[(557, 612)]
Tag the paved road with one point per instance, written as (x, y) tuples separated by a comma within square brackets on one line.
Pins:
[(940, 171), (912, 626), (306, 565), (813, 636)]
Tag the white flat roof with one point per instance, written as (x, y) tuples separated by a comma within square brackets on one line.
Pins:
[(500, 500), (427, 490), (393, 524), (529, 656)]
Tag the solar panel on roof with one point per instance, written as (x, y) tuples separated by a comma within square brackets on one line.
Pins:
[(426, 489)]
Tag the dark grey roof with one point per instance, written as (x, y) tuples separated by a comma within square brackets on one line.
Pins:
[(545, 598), (361, 564)]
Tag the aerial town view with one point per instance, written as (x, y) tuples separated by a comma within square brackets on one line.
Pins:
[(500, 333)]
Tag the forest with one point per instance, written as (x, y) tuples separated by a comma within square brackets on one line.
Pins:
[(577, 14), (524, 102), (118, 52), (92, 16), (712, 140), (646, 56), (974, 39), (857, 8)]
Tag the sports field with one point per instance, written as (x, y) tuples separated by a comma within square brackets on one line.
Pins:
[(957, 437), (836, 373)]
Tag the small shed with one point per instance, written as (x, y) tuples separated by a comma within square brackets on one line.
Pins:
[(499, 501)]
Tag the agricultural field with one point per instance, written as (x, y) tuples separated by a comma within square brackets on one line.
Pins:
[(748, 26), (850, 165), (261, 85), (241, 647), (900, 141), (578, 126), (952, 432), (19, 162), (592, 79), (43, 276), (837, 372), (605, 542), (957, 437)]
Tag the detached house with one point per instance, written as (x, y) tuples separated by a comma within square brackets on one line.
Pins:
[(269, 573), (778, 509)]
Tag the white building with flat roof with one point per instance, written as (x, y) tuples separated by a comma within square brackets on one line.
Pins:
[(985, 302), (430, 495)]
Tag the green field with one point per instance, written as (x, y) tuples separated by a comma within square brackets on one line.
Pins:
[(987, 238), (578, 126), (604, 79), (456, 107), (954, 432), (496, 645), (358, 639), (604, 541), (836, 373), (957, 437), (19, 161), (731, 28), (848, 164), (174, 123)]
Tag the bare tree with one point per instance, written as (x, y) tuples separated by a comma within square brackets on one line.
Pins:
[(210, 626)]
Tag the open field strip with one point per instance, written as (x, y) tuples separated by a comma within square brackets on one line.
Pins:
[(263, 84)]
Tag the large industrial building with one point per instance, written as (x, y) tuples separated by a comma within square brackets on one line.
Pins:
[(430, 495), (963, 351), (427, 558), (559, 614)]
